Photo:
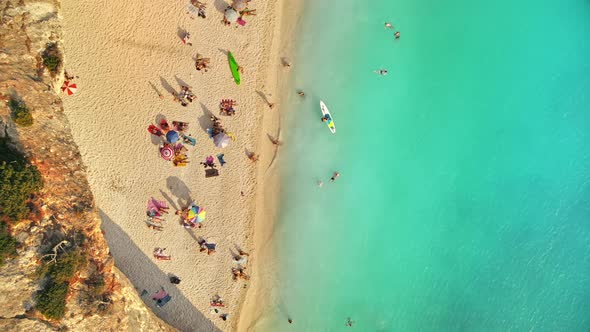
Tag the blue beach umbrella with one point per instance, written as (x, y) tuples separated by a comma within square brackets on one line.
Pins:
[(172, 136)]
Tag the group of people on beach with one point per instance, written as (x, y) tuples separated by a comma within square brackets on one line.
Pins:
[(157, 212)]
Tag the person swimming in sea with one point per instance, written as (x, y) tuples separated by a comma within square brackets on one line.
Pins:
[(396, 35), (335, 176), (349, 322), (381, 72), (388, 25)]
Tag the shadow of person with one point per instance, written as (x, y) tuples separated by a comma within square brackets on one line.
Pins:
[(180, 190), (181, 82), (145, 274), (205, 119), (170, 200), (262, 95), (180, 32), (167, 86)]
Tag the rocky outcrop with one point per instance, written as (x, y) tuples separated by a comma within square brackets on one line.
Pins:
[(64, 210)]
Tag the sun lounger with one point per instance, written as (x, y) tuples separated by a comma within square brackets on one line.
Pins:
[(163, 301), (189, 140)]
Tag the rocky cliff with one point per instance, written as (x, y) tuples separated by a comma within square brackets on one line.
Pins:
[(63, 211)]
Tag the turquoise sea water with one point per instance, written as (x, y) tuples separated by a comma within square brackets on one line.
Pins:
[(464, 199)]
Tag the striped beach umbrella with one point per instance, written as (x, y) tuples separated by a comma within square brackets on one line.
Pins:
[(69, 88), (167, 152)]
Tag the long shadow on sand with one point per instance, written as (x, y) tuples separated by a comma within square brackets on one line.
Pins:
[(205, 119), (145, 274), (180, 190)]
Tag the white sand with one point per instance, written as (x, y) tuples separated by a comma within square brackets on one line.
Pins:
[(117, 48)]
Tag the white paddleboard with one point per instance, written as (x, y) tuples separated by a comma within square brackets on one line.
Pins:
[(330, 122)]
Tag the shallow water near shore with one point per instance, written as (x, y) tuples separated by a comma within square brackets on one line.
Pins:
[(464, 199)]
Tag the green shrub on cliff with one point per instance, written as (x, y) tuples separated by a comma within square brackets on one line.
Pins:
[(21, 115), (51, 300), (52, 58), (18, 181), (65, 266), (7, 243)]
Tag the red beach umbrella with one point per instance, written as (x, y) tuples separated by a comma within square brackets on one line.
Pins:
[(69, 88), (167, 152)]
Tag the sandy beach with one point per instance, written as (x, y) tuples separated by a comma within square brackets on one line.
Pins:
[(126, 54)]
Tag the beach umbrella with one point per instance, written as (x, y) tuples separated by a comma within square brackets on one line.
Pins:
[(69, 88), (239, 5), (192, 212), (172, 136), (231, 15), (201, 213), (221, 140), (167, 152)]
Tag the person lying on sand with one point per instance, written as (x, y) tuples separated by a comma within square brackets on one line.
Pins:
[(153, 216), (202, 63), (217, 301), (239, 273), (253, 157), (159, 254)]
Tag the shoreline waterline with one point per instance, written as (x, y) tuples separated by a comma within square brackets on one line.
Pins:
[(260, 294)]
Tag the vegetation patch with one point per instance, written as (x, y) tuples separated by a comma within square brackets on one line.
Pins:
[(51, 301), (52, 58), (59, 272), (98, 297), (7, 243), (20, 113), (18, 182)]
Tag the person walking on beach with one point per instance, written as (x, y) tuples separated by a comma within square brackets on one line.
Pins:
[(335, 176)]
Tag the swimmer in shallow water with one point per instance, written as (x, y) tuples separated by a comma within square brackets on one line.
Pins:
[(381, 72), (388, 25)]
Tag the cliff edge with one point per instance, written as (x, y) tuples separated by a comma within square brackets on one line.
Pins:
[(61, 229)]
